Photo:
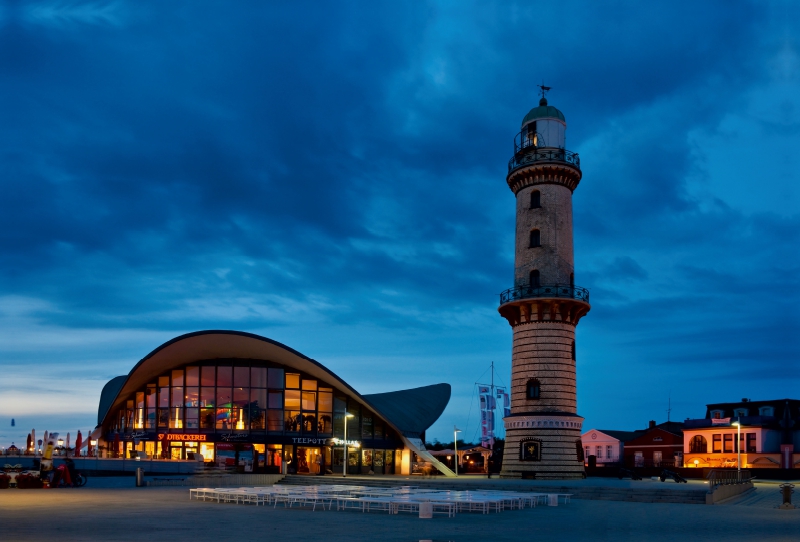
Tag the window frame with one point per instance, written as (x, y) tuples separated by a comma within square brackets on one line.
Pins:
[(535, 238)]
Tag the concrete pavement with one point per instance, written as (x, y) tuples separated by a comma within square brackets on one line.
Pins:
[(111, 509)]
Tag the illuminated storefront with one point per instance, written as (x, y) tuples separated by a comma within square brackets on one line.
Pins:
[(244, 402)]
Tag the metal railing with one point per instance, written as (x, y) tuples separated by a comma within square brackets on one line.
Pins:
[(537, 154), (728, 477), (546, 290)]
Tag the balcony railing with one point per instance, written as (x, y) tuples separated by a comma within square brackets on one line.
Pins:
[(543, 155), (544, 291)]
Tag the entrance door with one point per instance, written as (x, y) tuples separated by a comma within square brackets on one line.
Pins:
[(176, 450), (378, 461), (309, 460)]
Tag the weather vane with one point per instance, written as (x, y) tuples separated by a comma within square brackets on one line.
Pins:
[(544, 89)]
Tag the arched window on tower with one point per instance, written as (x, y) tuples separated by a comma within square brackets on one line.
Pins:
[(535, 239), (534, 389), (572, 280), (534, 279), (536, 199)]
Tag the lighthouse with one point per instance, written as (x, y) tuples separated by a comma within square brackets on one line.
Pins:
[(544, 305)]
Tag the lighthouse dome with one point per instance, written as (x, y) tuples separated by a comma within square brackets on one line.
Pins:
[(543, 111)]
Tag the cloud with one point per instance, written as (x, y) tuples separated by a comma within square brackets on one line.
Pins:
[(299, 171)]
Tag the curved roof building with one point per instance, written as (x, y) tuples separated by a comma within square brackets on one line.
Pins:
[(222, 396)]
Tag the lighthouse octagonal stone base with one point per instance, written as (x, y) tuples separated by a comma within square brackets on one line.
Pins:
[(543, 446)]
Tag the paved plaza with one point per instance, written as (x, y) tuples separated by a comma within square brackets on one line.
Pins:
[(111, 509)]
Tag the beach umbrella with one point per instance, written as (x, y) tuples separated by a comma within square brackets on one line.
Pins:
[(116, 443), (89, 446), (33, 439), (30, 442), (67, 443), (78, 443)]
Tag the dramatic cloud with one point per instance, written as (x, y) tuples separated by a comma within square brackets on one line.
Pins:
[(333, 177)]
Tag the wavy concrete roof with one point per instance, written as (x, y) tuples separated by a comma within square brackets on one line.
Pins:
[(410, 412)]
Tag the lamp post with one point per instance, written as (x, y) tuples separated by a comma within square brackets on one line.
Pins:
[(344, 467), (456, 431), (738, 424)]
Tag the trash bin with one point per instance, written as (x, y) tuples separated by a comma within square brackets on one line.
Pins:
[(139, 477)]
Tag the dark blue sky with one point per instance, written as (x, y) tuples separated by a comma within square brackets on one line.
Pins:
[(332, 176)]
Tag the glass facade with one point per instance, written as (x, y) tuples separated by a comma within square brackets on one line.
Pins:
[(253, 402)]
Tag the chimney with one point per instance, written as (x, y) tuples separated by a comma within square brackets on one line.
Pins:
[(745, 400), (652, 424)]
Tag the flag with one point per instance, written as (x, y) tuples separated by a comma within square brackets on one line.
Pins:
[(483, 389)]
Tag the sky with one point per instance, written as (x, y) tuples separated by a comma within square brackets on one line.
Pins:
[(332, 176)]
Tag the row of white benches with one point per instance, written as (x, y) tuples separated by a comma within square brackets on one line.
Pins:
[(379, 499)]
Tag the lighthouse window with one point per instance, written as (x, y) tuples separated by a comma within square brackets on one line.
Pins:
[(534, 388), (535, 239), (530, 137), (534, 279), (573, 350), (536, 199)]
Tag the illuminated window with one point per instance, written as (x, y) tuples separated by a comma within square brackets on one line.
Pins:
[(534, 389), (717, 440), (535, 239), (751, 442), (530, 135), (728, 443), (536, 199), (292, 380), (698, 445)]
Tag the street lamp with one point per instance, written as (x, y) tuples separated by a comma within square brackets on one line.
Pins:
[(344, 467), (738, 424), (456, 431)]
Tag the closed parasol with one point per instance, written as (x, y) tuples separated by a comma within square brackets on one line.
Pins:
[(78, 444), (30, 443), (116, 444)]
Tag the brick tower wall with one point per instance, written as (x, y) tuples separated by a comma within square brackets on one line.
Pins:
[(543, 350), (554, 259)]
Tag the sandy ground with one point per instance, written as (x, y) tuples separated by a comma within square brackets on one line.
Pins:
[(112, 510)]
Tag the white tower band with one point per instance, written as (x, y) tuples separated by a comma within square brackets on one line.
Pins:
[(543, 431)]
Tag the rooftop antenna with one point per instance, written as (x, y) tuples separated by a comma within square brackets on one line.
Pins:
[(669, 405)]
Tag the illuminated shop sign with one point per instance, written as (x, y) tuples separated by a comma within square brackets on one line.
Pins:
[(318, 441), (341, 442), (182, 438)]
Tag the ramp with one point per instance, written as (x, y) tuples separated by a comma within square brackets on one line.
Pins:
[(416, 445)]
